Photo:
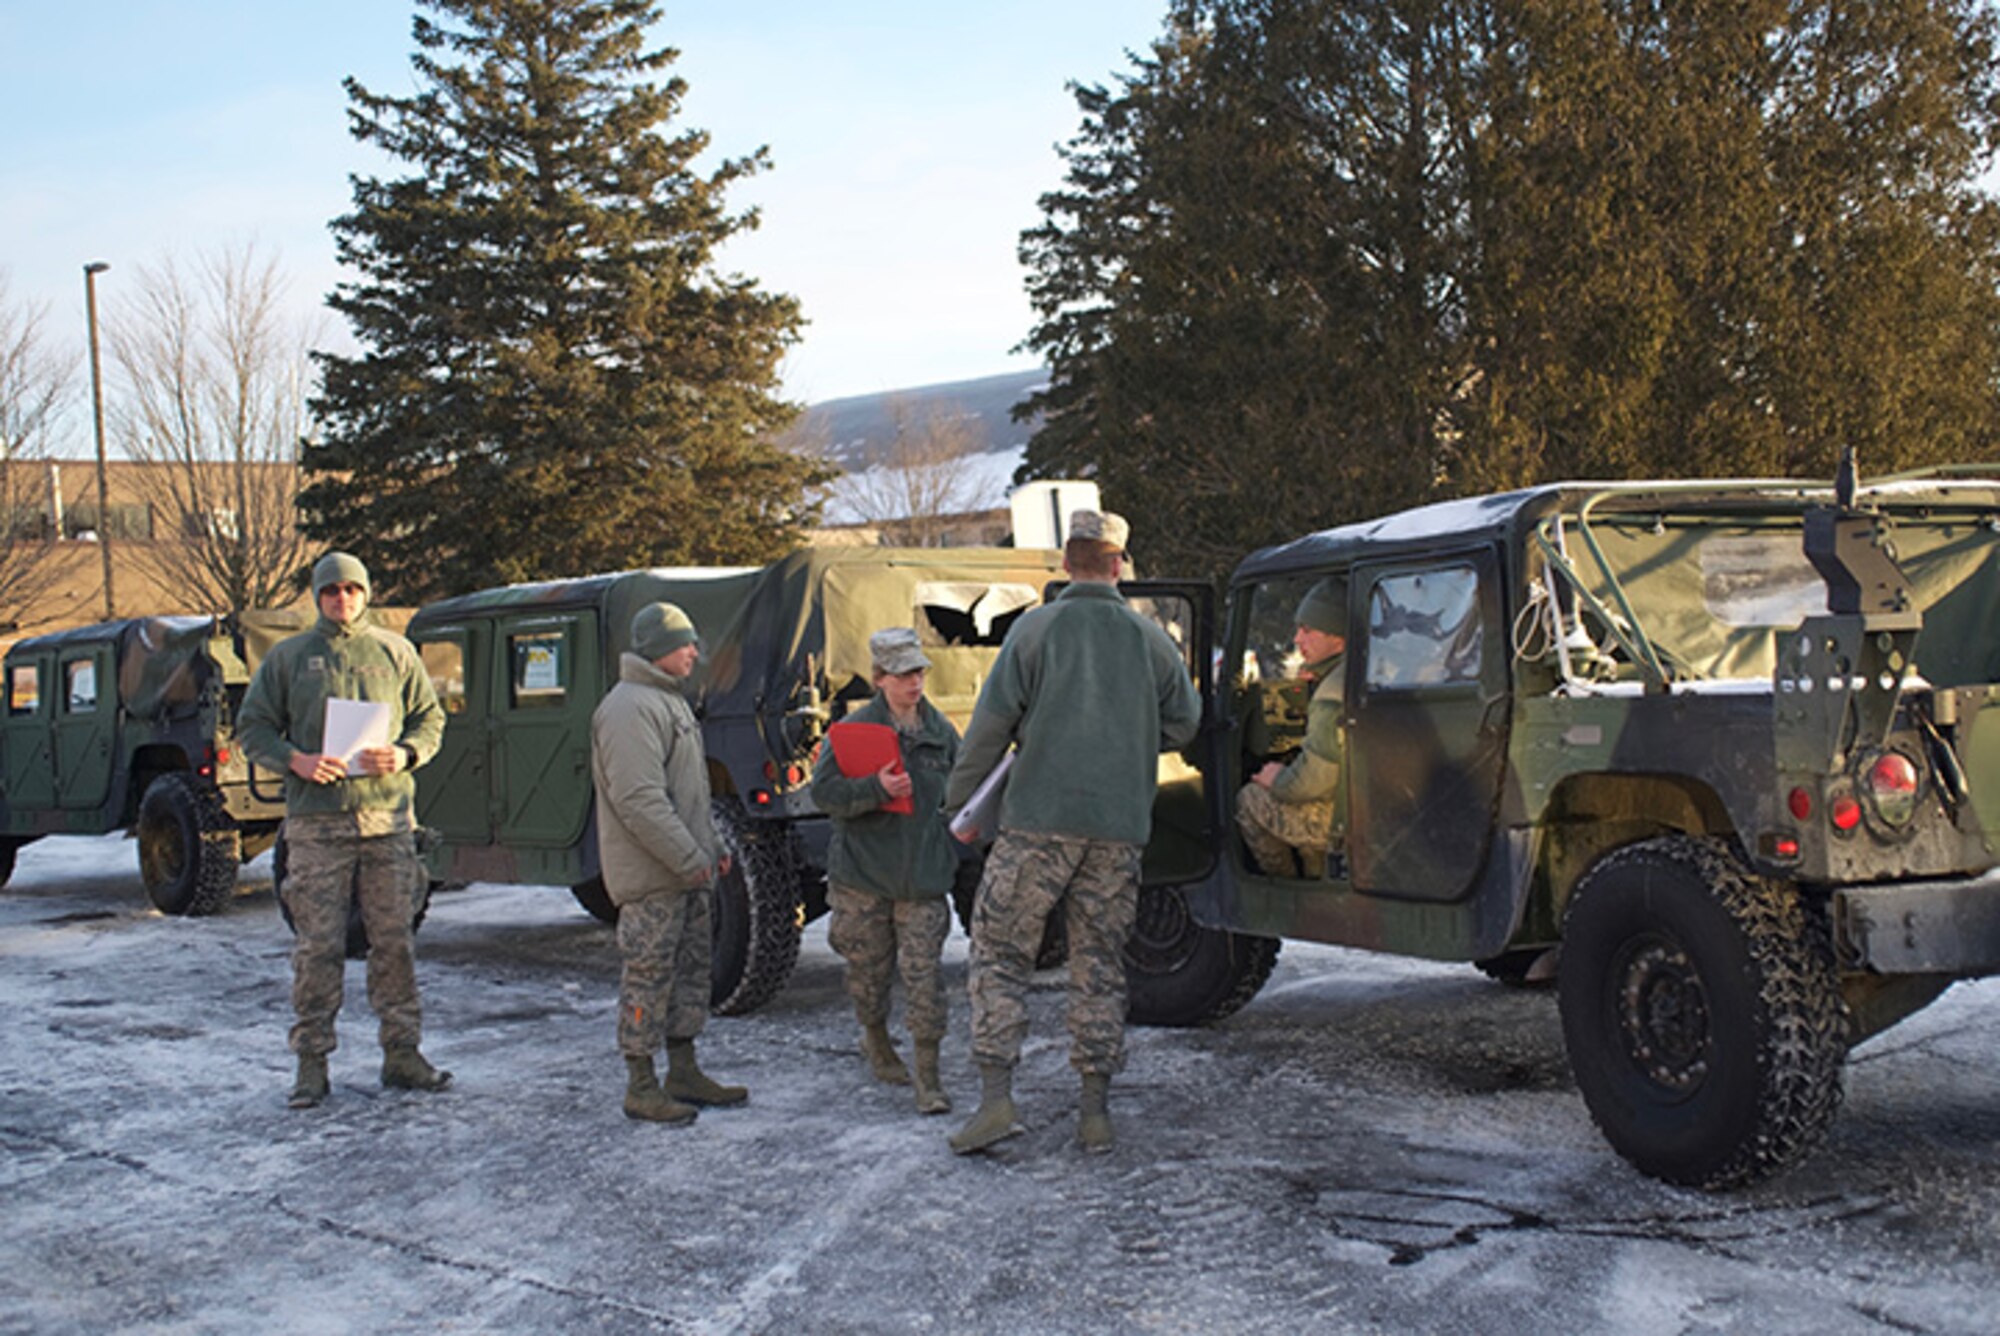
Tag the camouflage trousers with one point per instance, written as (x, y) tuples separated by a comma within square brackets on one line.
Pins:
[(663, 988), (1287, 839), (1097, 883), (328, 865), (882, 937)]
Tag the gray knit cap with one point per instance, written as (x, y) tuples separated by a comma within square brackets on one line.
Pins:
[(658, 629), (339, 568)]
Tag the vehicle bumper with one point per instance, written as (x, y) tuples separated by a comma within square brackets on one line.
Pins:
[(1921, 927)]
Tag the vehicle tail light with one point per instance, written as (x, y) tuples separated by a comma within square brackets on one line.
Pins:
[(1891, 784), (1844, 812), (1801, 804)]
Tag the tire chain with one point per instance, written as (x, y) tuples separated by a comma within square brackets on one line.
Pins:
[(770, 885), (1791, 949), (216, 848)]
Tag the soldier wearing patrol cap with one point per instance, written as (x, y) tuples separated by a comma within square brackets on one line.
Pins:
[(660, 856), (1286, 810), (888, 873), (1090, 693)]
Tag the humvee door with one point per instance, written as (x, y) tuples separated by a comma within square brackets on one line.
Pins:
[(1182, 847), (1427, 723), (86, 724), (26, 739), (453, 795)]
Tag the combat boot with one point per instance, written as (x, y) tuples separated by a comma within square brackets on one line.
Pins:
[(686, 1080), (311, 1087), (403, 1068), (1093, 1129), (995, 1119), (930, 1090), (644, 1100), (883, 1059)]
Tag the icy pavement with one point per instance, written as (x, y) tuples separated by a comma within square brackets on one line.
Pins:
[(1373, 1145)]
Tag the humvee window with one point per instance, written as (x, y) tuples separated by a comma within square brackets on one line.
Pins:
[(24, 689), (444, 664), (539, 672), (960, 613), (1423, 629), (81, 679)]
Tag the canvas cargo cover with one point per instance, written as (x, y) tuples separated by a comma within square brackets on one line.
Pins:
[(164, 662), (759, 626)]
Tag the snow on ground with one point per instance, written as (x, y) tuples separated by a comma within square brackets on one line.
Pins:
[(1373, 1145)]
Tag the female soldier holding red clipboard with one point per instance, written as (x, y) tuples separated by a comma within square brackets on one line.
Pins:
[(891, 861)]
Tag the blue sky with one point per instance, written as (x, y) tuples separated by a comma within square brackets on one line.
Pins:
[(910, 140)]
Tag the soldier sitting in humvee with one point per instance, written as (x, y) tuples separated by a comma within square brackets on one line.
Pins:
[(1286, 810)]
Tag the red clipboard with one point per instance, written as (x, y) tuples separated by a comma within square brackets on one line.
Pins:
[(863, 749)]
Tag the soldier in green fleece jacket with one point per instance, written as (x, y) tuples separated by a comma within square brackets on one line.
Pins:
[(1090, 693), (347, 833), (888, 873)]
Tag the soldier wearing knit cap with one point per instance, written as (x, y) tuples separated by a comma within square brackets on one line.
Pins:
[(660, 855), (349, 820), (1087, 693), (1286, 811)]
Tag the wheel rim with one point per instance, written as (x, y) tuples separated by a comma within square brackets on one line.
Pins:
[(161, 850), (1662, 1013), (1163, 933)]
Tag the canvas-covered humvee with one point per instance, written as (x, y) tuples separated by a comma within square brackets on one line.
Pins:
[(1720, 758), (784, 653), (129, 724)]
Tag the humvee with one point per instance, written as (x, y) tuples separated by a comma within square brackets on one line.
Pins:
[(129, 724), (1722, 759), (785, 652)]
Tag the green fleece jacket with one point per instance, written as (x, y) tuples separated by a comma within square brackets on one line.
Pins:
[(284, 712), (902, 856), (1091, 693)]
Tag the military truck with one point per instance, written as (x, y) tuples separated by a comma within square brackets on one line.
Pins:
[(129, 724), (1722, 759), (785, 652)]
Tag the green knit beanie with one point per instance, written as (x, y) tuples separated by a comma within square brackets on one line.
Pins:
[(658, 629), (1324, 608)]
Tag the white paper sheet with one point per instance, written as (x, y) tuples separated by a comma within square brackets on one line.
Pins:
[(980, 817), (352, 726)]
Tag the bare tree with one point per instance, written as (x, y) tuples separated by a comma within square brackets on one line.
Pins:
[(217, 376), (35, 383), (924, 479)]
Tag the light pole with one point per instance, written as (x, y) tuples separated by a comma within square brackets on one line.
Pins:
[(90, 273)]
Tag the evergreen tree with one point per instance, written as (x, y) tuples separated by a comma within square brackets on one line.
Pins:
[(1318, 258), (554, 379)]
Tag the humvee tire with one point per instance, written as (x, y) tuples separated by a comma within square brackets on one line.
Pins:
[(356, 947), (1702, 1012), (188, 845), (757, 913), (596, 900), (1179, 973)]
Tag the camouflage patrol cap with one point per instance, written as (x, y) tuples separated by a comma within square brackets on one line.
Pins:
[(1324, 608), (658, 629), (339, 568), (895, 651), (1101, 526)]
